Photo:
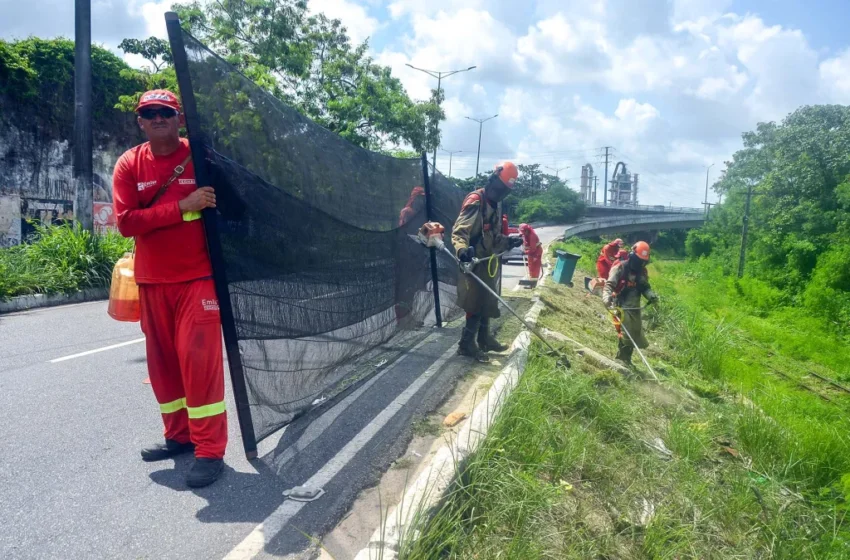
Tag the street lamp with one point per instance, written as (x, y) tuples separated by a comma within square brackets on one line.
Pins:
[(557, 171), (706, 187), (439, 75), (480, 125), (451, 153)]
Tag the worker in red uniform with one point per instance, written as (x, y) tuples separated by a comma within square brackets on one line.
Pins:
[(506, 227), (607, 257), (533, 249), (157, 202)]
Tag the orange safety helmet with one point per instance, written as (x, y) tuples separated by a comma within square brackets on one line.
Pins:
[(641, 249), (507, 173)]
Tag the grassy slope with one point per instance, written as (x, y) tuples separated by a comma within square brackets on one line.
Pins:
[(568, 470)]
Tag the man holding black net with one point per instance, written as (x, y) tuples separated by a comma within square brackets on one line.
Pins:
[(477, 234), (157, 202)]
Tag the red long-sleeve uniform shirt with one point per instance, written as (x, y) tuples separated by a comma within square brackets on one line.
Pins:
[(168, 248)]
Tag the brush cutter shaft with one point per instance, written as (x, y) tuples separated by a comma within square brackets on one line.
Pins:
[(467, 269)]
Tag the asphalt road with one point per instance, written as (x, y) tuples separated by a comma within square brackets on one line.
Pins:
[(73, 485), (514, 271)]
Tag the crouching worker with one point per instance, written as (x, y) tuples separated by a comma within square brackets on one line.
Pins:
[(627, 282), (157, 201), (478, 234)]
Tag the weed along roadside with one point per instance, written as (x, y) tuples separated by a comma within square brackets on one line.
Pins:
[(725, 458)]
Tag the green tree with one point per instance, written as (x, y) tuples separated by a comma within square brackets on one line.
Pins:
[(799, 171), (310, 63)]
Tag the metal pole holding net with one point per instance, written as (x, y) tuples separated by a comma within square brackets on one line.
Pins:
[(202, 178), (429, 212)]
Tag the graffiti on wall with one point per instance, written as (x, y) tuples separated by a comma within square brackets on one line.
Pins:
[(10, 220), (104, 217)]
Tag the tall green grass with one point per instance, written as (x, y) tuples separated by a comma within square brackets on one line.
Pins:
[(60, 258)]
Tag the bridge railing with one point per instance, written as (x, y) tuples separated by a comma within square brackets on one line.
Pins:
[(649, 208)]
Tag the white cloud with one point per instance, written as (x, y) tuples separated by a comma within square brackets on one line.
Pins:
[(834, 76), (354, 17)]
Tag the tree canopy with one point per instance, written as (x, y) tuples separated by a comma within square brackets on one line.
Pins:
[(800, 213), (310, 63)]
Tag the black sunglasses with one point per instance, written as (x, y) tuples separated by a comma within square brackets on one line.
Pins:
[(151, 114)]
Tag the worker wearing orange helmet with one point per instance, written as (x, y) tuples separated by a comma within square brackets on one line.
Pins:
[(627, 282), (478, 234), (608, 257)]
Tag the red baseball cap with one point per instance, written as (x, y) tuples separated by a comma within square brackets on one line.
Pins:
[(158, 97)]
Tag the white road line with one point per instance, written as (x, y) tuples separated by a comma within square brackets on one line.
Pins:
[(263, 533), (96, 350)]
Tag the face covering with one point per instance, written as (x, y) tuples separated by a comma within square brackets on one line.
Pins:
[(635, 263), (496, 190)]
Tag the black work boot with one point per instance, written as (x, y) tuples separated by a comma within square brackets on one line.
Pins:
[(486, 341), (624, 355), (162, 451), (204, 472), (467, 345)]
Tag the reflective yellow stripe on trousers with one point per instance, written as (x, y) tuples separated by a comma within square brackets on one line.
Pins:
[(196, 412), (173, 406)]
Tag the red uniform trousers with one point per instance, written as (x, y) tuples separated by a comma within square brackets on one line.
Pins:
[(535, 261), (182, 327)]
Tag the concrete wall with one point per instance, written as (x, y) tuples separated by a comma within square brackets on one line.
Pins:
[(37, 183)]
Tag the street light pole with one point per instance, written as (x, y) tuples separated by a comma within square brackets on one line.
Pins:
[(451, 153), (439, 75), (557, 171), (707, 169), (480, 126)]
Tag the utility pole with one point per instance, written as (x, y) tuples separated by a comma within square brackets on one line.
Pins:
[(82, 115), (439, 75), (605, 183), (480, 126), (451, 153), (595, 186), (707, 207), (744, 230)]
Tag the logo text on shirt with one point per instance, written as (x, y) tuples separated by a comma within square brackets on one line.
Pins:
[(146, 184), (210, 304), (185, 181)]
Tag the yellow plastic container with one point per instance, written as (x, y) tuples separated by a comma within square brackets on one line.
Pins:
[(124, 292)]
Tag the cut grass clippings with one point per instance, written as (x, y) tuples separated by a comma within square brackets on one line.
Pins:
[(718, 461)]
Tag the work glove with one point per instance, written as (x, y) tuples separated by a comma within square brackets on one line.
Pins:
[(466, 255), (653, 300), (514, 242)]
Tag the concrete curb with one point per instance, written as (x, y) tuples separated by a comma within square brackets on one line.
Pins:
[(435, 479), (35, 301)]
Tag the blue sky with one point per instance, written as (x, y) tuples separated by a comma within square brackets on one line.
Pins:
[(669, 84)]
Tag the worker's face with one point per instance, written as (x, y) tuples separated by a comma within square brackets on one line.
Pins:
[(159, 122)]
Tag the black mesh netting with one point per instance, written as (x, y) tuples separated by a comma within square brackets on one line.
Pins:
[(315, 235)]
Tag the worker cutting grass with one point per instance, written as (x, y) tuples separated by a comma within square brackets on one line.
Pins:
[(583, 463)]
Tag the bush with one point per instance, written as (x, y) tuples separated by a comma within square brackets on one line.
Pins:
[(698, 244), (558, 204), (828, 292), (59, 259)]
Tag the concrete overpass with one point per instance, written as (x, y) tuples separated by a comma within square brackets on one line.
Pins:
[(630, 222)]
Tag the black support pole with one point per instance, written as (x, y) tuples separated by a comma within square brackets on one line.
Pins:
[(196, 142), (83, 140), (429, 212)]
